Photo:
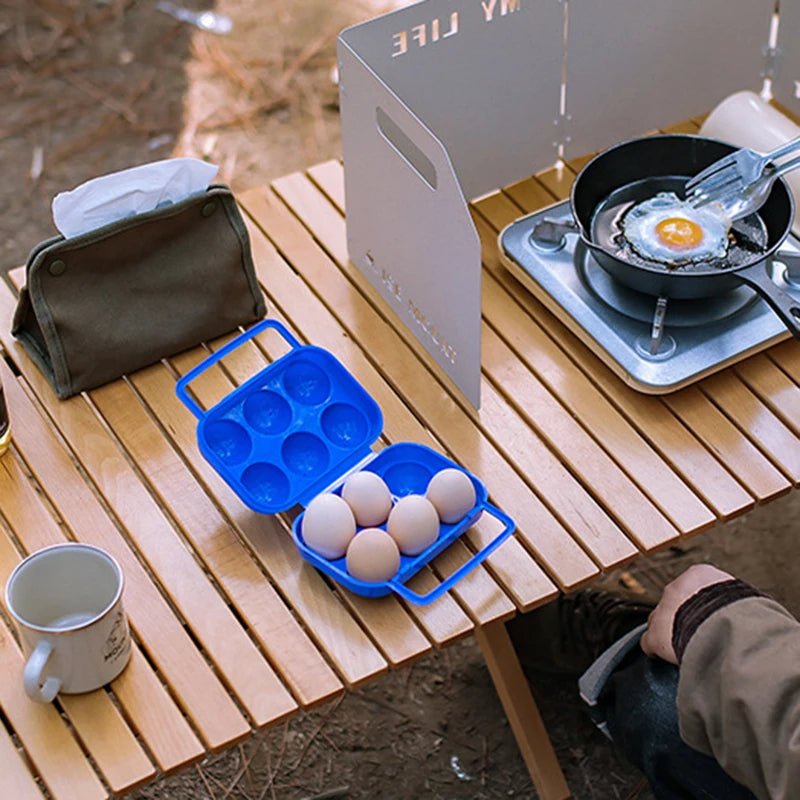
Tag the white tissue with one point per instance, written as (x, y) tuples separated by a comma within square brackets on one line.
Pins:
[(131, 191)]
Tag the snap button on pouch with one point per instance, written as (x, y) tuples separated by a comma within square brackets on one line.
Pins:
[(209, 209), (57, 267)]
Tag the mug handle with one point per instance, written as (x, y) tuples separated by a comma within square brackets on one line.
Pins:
[(32, 674)]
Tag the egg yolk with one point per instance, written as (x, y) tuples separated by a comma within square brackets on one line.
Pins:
[(679, 233)]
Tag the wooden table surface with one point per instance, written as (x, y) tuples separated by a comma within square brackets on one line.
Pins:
[(233, 631)]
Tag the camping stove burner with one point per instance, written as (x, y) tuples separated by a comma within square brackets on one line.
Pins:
[(655, 345), (681, 313)]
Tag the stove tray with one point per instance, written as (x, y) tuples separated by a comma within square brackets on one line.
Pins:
[(689, 351)]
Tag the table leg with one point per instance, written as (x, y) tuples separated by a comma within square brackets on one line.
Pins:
[(522, 712)]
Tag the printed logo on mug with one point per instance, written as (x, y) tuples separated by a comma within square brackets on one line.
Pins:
[(67, 603)]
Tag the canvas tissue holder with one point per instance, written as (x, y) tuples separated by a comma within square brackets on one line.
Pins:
[(110, 300)]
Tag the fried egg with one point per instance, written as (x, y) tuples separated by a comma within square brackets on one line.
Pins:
[(669, 230)]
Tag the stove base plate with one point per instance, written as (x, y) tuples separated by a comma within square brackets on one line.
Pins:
[(568, 283)]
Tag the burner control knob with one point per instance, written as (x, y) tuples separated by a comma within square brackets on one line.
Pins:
[(551, 234)]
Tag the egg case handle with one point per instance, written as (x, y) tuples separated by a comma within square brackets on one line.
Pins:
[(183, 383), (464, 569)]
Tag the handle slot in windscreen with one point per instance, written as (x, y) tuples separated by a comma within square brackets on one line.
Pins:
[(398, 139)]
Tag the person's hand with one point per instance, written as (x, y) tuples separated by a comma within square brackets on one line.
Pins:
[(657, 639)]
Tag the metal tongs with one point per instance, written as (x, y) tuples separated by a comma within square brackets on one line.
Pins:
[(741, 182)]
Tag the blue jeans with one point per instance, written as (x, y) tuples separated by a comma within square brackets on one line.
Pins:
[(639, 703)]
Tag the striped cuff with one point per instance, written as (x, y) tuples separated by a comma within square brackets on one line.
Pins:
[(700, 606)]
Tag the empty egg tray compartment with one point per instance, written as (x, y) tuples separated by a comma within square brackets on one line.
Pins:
[(290, 430)]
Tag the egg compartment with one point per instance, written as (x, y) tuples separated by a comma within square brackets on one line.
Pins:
[(298, 428), (407, 468), (288, 431)]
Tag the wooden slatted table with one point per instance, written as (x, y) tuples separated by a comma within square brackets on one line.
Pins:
[(233, 630)]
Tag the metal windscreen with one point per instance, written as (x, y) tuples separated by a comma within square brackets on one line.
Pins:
[(446, 100), (786, 84), (634, 66), (484, 76)]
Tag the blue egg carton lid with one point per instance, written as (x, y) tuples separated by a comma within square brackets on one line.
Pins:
[(290, 430), (297, 428)]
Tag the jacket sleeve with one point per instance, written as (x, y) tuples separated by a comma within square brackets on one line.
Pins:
[(739, 694)]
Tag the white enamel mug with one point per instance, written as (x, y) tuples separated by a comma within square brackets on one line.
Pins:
[(746, 120), (67, 603)]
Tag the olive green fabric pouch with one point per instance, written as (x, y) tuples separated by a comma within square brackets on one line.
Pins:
[(107, 302)]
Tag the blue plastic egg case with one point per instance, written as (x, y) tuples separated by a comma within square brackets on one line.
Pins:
[(298, 427)]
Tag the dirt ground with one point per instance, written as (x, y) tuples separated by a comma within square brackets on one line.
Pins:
[(93, 86)]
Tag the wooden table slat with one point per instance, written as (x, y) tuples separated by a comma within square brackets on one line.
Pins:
[(523, 580), (17, 781), (328, 176), (233, 629), (107, 737), (147, 703), (558, 181), (641, 463), (233, 568), (559, 553), (738, 452), (787, 356), (144, 700), (443, 620), (56, 755), (296, 191), (98, 722), (579, 511), (773, 387), (687, 126), (347, 646), (753, 418), (528, 194), (649, 528), (256, 599), (481, 596), (323, 330), (388, 622), (192, 680), (712, 482), (234, 654)]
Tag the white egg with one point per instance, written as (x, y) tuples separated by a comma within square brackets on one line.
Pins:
[(413, 524), (328, 525), (452, 493), (369, 498), (669, 230), (372, 556)]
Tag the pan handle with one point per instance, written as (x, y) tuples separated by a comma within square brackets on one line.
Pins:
[(783, 304)]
